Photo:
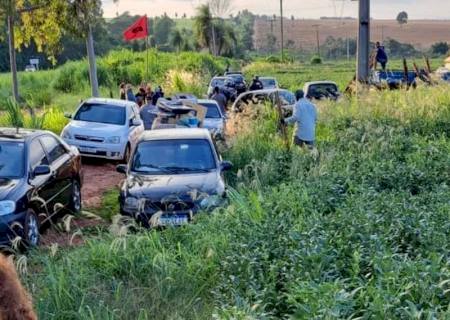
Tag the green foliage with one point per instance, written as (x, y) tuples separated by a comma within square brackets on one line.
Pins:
[(440, 48), (14, 115), (316, 60)]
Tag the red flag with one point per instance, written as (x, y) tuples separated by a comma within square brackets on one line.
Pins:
[(137, 30)]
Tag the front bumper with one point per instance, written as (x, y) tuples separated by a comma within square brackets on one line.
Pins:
[(99, 150), (11, 226)]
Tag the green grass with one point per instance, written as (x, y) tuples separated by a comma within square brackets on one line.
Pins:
[(359, 230)]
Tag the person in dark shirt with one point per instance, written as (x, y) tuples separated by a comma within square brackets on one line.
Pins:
[(122, 92), (220, 98), (381, 57), (256, 84)]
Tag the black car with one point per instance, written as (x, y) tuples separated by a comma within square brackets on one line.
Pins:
[(239, 80), (226, 85), (40, 177), (172, 175)]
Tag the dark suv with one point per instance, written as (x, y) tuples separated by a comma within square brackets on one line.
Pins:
[(40, 176), (172, 175), (239, 80)]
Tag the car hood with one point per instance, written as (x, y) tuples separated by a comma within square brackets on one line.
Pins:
[(94, 128), (158, 187), (7, 186)]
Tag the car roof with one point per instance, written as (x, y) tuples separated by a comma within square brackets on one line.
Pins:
[(11, 134), (174, 134), (114, 102), (320, 82), (200, 101)]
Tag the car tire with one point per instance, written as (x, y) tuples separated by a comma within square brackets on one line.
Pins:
[(127, 154), (31, 230), (75, 204)]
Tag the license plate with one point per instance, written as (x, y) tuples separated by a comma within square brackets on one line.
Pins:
[(172, 221), (87, 150)]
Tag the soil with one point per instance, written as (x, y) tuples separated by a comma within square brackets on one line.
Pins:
[(99, 177)]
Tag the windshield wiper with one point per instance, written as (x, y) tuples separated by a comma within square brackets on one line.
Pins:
[(185, 169)]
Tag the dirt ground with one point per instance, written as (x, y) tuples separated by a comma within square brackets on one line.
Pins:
[(99, 177)]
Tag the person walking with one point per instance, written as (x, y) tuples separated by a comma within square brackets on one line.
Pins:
[(220, 98), (122, 92), (149, 112), (381, 56), (305, 118)]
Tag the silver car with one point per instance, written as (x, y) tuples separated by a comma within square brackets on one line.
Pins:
[(215, 119)]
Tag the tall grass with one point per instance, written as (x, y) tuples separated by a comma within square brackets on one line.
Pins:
[(359, 231)]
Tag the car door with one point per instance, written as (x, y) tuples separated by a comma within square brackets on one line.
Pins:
[(61, 167), (44, 187), (134, 131)]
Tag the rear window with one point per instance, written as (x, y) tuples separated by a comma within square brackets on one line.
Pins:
[(101, 113), (212, 111)]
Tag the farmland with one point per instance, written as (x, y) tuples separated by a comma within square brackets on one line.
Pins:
[(421, 33), (359, 229)]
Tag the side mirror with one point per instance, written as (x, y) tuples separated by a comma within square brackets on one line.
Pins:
[(122, 168), (135, 123), (68, 115), (226, 166), (41, 171)]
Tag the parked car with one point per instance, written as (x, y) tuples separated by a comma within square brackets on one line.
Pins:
[(172, 175), (185, 97), (215, 119), (269, 82), (393, 79), (104, 128), (239, 80), (40, 176), (259, 97), (30, 68), (226, 85), (320, 90)]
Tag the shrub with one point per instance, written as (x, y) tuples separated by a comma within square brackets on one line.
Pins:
[(316, 60)]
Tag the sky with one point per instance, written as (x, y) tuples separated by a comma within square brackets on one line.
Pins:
[(381, 9)]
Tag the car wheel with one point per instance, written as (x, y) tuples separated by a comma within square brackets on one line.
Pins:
[(75, 198), (31, 236), (127, 154)]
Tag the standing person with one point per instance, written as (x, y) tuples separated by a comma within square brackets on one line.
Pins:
[(122, 92), (256, 84), (305, 119), (381, 57), (149, 113), (140, 97), (220, 98), (148, 93), (130, 94)]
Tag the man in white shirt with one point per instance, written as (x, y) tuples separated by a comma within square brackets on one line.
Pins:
[(305, 118)]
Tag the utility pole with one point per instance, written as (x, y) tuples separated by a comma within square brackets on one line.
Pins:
[(348, 48), (92, 63), (362, 74), (382, 33), (12, 58), (317, 39), (282, 31)]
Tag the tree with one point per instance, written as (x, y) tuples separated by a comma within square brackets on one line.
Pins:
[(203, 23), (163, 27), (402, 18), (176, 39), (440, 48), (220, 8), (41, 27)]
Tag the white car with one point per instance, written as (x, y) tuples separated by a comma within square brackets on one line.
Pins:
[(215, 118), (104, 128)]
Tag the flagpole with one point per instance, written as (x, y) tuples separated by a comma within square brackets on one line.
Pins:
[(146, 49)]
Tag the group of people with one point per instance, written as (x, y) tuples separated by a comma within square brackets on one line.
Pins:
[(145, 98), (144, 95)]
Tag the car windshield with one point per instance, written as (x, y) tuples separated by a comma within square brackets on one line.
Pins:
[(12, 159), (323, 90), (237, 78), (213, 111), (181, 156), (217, 82), (268, 83), (101, 113)]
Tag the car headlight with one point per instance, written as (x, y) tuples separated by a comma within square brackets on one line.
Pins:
[(66, 135), (211, 202), (131, 203), (113, 140), (7, 207)]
